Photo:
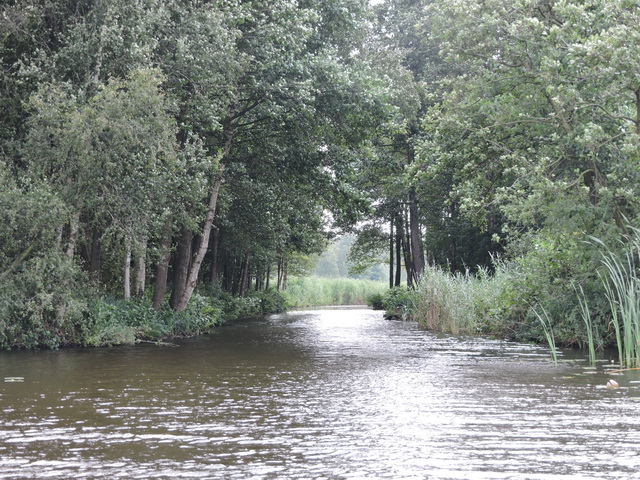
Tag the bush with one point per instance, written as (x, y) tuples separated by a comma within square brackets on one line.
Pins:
[(376, 301), (42, 304), (398, 302), (272, 301)]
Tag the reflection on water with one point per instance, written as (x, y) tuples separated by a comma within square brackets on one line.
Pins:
[(327, 394)]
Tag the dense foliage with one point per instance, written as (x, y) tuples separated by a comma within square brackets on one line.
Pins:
[(155, 151)]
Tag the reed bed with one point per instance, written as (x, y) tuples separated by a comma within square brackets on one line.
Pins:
[(319, 291), (458, 303), (547, 327)]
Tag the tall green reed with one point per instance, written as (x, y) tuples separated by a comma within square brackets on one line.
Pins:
[(547, 327), (585, 312), (622, 288)]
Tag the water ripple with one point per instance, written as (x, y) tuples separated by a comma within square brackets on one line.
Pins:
[(323, 394)]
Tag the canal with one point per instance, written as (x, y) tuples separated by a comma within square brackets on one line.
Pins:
[(323, 394)]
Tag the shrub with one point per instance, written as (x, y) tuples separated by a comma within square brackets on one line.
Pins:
[(272, 301), (42, 304), (116, 321), (376, 301), (399, 302)]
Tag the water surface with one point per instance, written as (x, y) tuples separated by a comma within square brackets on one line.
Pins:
[(326, 394)]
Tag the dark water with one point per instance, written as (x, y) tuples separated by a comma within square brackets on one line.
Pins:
[(327, 394)]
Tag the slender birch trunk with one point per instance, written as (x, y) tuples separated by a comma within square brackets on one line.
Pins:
[(162, 269), (141, 269), (127, 269)]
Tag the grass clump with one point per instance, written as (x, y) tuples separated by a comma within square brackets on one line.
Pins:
[(448, 302), (462, 303), (585, 313), (547, 327)]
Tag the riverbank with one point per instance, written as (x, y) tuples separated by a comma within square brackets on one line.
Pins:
[(99, 321), (500, 305)]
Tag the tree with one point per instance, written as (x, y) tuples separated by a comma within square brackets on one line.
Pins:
[(549, 105), (111, 159)]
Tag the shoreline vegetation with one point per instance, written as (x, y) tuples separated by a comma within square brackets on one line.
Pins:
[(512, 303), (104, 321)]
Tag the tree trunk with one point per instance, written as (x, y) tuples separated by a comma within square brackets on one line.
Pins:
[(406, 248), (59, 235), (162, 269), (181, 267), (285, 269), (259, 279), (268, 281), (225, 277), (391, 253), (74, 226), (417, 257), (215, 242), (201, 250), (282, 274), (127, 269), (192, 278), (244, 274), (399, 229), (141, 269)]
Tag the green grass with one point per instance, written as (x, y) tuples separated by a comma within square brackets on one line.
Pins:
[(318, 291)]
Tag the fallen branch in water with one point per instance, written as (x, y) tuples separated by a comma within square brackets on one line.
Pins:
[(159, 344), (623, 370)]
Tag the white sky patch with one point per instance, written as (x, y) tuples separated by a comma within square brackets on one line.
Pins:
[(330, 172)]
